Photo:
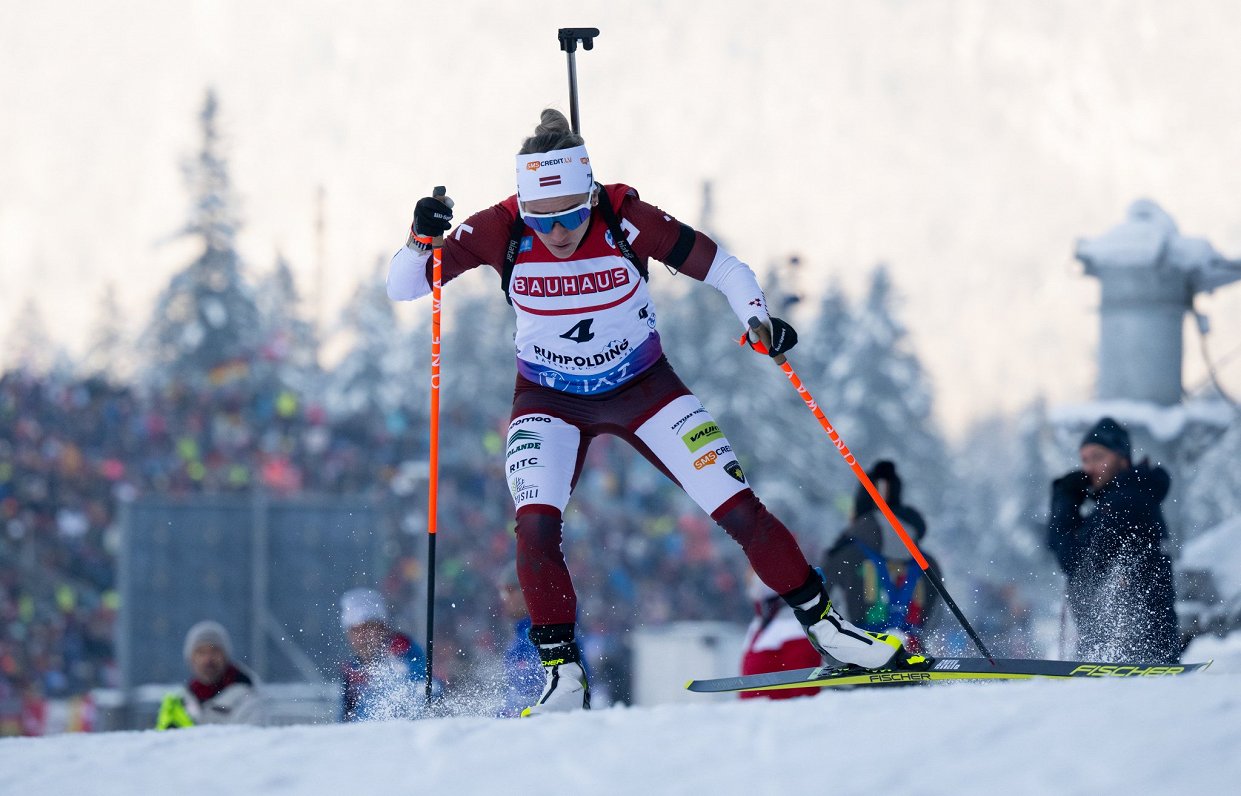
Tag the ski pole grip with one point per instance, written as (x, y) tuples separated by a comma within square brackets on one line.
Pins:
[(764, 341), (441, 193)]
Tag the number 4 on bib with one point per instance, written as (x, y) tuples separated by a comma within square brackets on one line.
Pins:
[(580, 333)]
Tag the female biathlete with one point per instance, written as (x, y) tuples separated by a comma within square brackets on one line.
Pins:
[(572, 258)]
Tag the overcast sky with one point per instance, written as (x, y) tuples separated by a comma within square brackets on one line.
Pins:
[(968, 144)]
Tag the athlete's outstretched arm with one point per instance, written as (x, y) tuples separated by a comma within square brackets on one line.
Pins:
[(478, 240)]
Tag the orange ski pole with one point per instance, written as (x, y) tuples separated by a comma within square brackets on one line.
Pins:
[(851, 460), (433, 477)]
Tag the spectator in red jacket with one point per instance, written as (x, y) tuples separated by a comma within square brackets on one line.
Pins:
[(775, 642)]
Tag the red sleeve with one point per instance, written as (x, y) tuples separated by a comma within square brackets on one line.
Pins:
[(479, 240), (663, 237)]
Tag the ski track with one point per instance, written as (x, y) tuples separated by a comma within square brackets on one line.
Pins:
[(1133, 736)]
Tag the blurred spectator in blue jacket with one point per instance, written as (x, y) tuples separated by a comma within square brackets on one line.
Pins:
[(523, 671), (386, 678)]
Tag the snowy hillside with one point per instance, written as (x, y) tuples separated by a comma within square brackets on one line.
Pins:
[(1151, 737)]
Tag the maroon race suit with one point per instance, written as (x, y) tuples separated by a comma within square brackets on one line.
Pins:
[(589, 362)]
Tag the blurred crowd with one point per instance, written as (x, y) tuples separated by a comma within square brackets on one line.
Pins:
[(72, 451)]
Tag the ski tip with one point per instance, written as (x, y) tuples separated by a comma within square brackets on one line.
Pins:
[(689, 685)]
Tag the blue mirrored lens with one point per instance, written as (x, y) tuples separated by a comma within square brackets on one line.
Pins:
[(570, 220)]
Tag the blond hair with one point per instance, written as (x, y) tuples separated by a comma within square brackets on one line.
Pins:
[(552, 133)]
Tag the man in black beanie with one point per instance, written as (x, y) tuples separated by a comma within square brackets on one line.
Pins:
[(1119, 579)]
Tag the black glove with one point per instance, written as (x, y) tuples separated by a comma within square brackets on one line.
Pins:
[(432, 217), (1074, 487), (783, 337)]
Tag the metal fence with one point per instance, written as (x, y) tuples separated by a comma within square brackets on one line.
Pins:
[(270, 570)]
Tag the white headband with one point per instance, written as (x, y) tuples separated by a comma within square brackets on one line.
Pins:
[(561, 172)]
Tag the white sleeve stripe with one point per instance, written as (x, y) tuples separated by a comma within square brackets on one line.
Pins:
[(407, 275), (737, 282)]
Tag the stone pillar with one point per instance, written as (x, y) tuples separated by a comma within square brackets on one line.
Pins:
[(1140, 335)]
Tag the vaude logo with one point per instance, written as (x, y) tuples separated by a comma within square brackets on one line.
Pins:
[(947, 663), (699, 436)]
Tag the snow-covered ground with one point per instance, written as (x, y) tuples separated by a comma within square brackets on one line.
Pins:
[(1150, 736)]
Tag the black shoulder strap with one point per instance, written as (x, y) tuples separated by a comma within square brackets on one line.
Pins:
[(510, 254), (618, 234), (517, 231)]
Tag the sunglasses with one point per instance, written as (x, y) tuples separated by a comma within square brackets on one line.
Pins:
[(570, 219)]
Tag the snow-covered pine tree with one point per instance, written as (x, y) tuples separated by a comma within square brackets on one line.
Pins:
[(205, 326), (290, 348), (382, 374), (823, 482), (108, 354), (885, 398), (992, 538), (478, 352), (700, 334), (1212, 496), (28, 344)]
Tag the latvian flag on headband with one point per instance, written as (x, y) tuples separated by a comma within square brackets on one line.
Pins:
[(561, 172)]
